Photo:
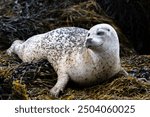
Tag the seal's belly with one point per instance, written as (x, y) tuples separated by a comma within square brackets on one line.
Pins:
[(85, 75), (88, 74), (83, 70)]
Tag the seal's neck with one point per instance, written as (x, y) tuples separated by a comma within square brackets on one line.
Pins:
[(102, 55)]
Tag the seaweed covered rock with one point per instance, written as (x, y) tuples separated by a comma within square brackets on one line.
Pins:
[(19, 91), (125, 88), (120, 88), (19, 80), (5, 77), (138, 66)]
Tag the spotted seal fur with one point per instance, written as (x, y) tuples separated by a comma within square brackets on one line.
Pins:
[(85, 57)]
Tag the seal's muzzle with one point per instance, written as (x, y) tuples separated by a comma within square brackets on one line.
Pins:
[(88, 42)]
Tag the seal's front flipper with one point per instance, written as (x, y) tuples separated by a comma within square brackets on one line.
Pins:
[(60, 85)]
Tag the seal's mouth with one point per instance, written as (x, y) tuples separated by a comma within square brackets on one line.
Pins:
[(88, 45), (92, 45)]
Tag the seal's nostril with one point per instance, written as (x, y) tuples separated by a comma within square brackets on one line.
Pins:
[(89, 40)]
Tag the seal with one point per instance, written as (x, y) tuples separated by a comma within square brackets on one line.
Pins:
[(86, 57)]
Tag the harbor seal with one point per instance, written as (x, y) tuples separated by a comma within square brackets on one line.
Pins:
[(85, 57)]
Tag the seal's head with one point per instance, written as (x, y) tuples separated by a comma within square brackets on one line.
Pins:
[(101, 38)]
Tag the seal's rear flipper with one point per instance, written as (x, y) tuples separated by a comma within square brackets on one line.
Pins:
[(122, 72)]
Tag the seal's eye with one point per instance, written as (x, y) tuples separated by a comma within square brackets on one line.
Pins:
[(100, 33), (88, 34), (108, 30)]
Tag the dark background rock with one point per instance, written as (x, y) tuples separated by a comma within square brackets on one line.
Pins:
[(133, 17)]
